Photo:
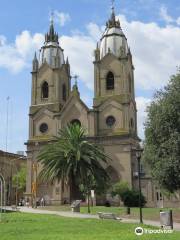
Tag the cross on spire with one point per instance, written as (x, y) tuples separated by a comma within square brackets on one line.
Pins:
[(112, 21), (112, 4), (52, 18), (75, 78), (51, 36)]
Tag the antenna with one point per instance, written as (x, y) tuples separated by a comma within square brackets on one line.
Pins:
[(7, 122)]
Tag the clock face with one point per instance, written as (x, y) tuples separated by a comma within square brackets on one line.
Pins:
[(43, 128), (110, 121)]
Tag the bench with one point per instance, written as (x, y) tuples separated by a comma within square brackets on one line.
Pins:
[(15, 208), (108, 216)]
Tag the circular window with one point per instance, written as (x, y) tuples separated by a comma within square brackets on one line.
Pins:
[(110, 121), (43, 128)]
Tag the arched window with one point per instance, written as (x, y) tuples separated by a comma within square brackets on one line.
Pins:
[(131, 123), (110, 81), (76, 121), (45, 90), (64, 92)]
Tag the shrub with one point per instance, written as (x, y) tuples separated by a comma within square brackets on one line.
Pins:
[(120, 188), (130, 198)]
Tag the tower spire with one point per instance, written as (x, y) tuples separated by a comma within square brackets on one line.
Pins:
[(51, 36), (112, 21), (112, 9), (52, 18)]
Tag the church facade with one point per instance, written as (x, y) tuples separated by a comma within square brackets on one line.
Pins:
[(111, 122)]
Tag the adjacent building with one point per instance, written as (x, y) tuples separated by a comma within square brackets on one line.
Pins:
[(10, 164)]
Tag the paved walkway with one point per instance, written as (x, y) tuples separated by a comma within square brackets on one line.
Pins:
[(81, 215)]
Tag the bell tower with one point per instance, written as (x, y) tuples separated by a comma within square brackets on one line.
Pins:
[(51, 86), (50, 74), (114, 97)]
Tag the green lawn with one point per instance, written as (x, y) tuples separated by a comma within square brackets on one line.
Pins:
[(20, 226), (148, 213)]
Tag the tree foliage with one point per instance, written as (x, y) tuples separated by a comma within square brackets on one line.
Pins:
[(130, 198), (73, 158), (19, 179), (119, 188), (162, 136)]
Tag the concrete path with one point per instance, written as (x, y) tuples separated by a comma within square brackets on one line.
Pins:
[(82, 215), (60, 213)]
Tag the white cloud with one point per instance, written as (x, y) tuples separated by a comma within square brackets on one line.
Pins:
[(25, 43), (178, 21), (61, 18), (155, 50), (16, 56), (142, 104), (165, 16), (94, 31), (80, 49), (2, 40)]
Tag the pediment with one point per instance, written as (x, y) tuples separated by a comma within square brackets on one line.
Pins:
[(109, 57), (110, 104), (43, 112), (73, 104), (44, 68)]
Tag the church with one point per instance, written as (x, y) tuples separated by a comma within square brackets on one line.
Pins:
[(111, 122)]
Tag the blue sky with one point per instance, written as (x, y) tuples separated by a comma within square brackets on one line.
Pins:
[(152, 28)]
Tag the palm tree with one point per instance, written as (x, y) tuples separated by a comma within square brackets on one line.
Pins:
[(74, 159)]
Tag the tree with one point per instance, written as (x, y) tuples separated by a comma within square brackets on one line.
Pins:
[(128, 196), (120, 188), (74, 159), (19, 179), (162, 136), (19, 182)]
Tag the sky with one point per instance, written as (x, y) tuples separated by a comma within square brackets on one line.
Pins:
[(152, 28)]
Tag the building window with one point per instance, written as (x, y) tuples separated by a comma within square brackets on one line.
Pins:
[(64, 92), (131, 123), (110, 81), (43, 128), (110, 121), (76, 121), (45, 90)]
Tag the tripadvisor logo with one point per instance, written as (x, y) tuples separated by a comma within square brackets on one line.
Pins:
[(139, 231)]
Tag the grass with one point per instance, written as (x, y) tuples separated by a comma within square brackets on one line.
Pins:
[(20, 226), (148, 213)]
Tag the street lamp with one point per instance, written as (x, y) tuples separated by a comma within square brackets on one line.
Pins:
[(138, 156), (3, 193)]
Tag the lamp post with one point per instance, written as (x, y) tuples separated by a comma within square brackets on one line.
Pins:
[(138, 156), (3, 192)]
